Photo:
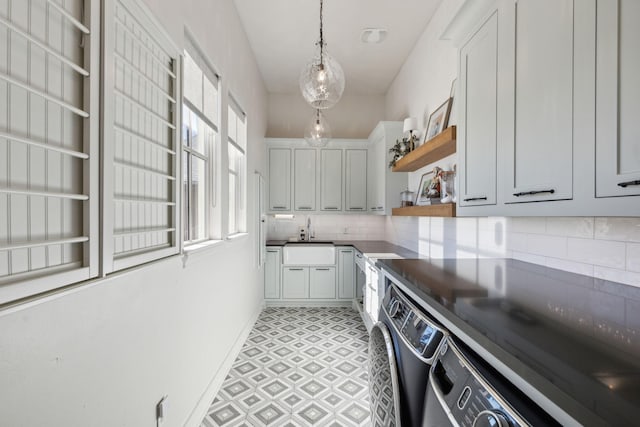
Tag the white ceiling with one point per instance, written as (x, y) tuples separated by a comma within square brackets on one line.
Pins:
[(282, 34)]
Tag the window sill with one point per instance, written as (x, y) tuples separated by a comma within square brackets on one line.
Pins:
[(237, 235), (198, 249)]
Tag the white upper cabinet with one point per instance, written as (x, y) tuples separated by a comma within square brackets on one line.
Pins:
[(356, 180), (304, 179), (618, 98), (331, 180), (279, 179), (538, 108), (477, 130), (384, 186)]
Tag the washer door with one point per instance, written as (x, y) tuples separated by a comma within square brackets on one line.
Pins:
[(384, 393)]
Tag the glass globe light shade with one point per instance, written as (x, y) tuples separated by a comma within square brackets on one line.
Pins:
[(322, 82), (318, 132)]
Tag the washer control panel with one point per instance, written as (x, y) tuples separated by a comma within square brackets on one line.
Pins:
[(470, 400), (419, 332)]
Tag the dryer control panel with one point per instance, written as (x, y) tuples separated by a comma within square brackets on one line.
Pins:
[(470, 401)]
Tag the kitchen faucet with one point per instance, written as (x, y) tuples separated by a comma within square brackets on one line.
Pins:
[(309, 235)]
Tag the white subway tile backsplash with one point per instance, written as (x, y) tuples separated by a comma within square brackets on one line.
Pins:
[(552, 246), (603, 253), (572, 266), (633, 257), (536, 225), (571, 227), (527, 257), (615, 275), (623, 229)]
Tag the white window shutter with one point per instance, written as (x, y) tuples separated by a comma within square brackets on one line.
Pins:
[(49, 122), (140, 138)]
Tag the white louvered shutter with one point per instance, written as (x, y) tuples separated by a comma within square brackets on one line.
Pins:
[(140, 151), (49, 119)]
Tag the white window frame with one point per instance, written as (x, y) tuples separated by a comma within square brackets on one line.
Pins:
[(36, 281), (211, 157), (241, 193)]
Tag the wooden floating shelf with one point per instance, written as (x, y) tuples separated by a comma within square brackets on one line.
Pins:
[(438, 147), (442, 210)]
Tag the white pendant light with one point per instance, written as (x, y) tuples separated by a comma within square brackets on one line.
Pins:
[(322, 79), (318, 133)]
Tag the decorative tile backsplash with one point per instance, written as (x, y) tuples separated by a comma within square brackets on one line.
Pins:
[(607, 248)]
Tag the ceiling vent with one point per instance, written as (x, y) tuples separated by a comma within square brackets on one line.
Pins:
[(373, 35)]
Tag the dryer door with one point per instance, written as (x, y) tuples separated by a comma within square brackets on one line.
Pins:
[(384, 393)]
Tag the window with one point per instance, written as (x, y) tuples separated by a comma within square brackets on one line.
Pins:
[(49, 122), (200, 162), (237, 130)]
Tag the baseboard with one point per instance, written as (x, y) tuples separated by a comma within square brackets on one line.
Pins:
[(308, 303), (200, 410)]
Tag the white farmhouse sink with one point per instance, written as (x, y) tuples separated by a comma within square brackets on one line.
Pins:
[(309, 254)]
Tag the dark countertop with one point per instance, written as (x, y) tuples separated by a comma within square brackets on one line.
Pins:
[(369, 248), (571, 342)]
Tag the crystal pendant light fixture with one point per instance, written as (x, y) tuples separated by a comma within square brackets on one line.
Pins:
[(318, 133), (322, 79)]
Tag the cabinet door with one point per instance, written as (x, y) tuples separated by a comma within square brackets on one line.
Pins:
[(304, 179), (279, 179), (372, 304), (322, 282), (272, 274), (331, 180), (477, 128), (374, 170), (618, 98), (346, 274), (295, 282), (538, 105), (356, 180)]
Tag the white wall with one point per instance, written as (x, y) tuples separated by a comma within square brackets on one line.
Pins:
[(105, 353), (354, 116), (607, 248), (329, 227)]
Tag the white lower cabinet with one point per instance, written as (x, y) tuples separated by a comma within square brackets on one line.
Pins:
[(322, 282), (272, 273), (346, 273), (372, 293), (295, 282)]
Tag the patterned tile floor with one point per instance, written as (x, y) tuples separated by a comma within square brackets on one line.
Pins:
[(299, 367)]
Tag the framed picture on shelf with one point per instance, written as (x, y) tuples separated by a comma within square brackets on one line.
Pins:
[(429, 190), (438, 120)]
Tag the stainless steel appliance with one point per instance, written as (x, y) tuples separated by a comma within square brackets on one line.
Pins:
[(464, 391), (402, 347)]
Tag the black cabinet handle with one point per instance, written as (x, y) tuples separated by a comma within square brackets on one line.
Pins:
[(533, 193), (279, 207), (304, 208), (296, 269), (625, 184), (475, 198), (322, 269), (332, 208), (356, 209)]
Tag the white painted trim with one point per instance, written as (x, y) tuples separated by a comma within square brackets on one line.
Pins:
[(200, 410), (309, 303)]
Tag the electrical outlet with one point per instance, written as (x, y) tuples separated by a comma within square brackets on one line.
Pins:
[(161, 411), (346, 230)]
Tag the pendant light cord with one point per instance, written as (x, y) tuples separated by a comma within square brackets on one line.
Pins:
[(321, 36)]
